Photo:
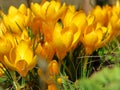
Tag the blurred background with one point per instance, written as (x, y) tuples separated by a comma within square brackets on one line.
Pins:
[(83, 4)]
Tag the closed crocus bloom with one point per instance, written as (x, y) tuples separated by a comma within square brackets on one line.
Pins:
[(116, 10), (17, 19), (115, 22), (69, 15), (49, 71), (74, 17), (76, 21), (89, 37), (49, 11), (101, 14), (52, 87), (21, 59), (53, 68), (62, 39), (89, 40), (107, 35)]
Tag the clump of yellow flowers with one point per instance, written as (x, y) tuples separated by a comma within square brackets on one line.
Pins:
[(47, 32)]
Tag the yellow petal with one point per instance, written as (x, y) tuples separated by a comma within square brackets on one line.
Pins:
[(21, 65), (67, 37), (5, 46), (52, 87), (61, 54), (68, 18), (53, 68), (36, 8), (32, 63), (79, 19), (12, 11), (23, 9), (57, 40), (8, 63), (90, 19), (90, 39)]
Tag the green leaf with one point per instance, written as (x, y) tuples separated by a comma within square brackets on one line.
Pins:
[(106, 79)]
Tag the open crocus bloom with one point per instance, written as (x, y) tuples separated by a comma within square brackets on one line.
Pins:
[(95, 35), (49, 10), (17, 19), (46, 15), (21, 58), (95, 38)]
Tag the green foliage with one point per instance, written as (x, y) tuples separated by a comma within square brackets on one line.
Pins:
[(30, 33), (106, 79), (110, 52), (72, 65)]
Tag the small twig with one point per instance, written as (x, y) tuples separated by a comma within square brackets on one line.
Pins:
[(89, 57), (28, 3)]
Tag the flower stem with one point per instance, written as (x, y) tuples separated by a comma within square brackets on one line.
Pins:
[(85, 66), (15, 83)]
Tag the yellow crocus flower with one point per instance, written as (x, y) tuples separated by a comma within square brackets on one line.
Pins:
[(89, 40), (116, 9), (52, 87), (17, 19), (66, 33), (115, 20), (46, 15), (21, 58), (95, 36), (48, 11), (102, 15), (53, 68), (76, 20), (62, 39), (48, 73)]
